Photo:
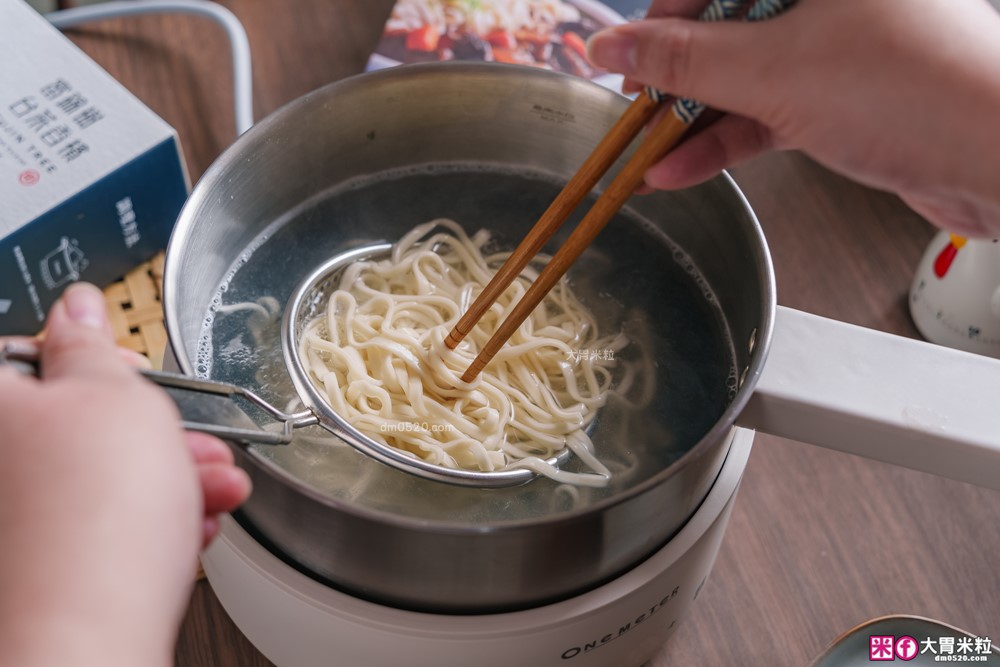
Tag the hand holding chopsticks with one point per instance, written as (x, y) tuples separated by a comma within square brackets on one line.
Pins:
[(600, 160), (664, 136)]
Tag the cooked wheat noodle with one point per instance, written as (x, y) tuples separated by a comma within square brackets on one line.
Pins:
[(378, 354)]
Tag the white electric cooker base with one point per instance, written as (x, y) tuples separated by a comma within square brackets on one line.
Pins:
[(297, 621)]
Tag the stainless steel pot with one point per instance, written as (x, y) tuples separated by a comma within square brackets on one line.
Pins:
[(686, 274)]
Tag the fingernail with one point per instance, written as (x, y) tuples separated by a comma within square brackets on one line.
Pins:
[(209, 529), (613, 50), (85, 305), (205, 448)]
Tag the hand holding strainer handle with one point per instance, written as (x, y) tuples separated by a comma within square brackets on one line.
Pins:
[(211, 407), (205, 406)]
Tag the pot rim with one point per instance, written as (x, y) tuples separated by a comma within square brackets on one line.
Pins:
[(216, 172)]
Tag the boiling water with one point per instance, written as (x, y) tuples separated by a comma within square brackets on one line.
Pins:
[(633, 279)]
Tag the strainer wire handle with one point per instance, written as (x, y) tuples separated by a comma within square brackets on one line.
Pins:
[(289, 421), (24, 356)]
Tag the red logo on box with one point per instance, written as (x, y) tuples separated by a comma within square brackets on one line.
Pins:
[(29, 177)]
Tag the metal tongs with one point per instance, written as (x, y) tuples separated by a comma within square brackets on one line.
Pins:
[(205, 406)]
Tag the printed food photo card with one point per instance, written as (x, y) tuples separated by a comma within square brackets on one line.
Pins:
[(542, 33)]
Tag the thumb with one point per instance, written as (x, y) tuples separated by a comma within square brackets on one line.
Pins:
[(720, 64), (78, 339)]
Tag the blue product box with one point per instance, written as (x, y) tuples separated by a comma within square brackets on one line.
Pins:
[(91, 180)]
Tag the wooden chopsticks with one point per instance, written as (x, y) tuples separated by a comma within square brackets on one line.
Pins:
[(597, 163), (664, 135)]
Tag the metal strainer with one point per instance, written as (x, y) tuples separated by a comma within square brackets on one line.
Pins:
[(306, 303)]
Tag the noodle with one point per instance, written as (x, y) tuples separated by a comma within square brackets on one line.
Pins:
[(378, 354)]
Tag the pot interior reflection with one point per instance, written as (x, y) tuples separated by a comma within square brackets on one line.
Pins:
[(634, 279)]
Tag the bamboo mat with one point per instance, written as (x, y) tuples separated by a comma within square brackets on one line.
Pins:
[(135, 310)]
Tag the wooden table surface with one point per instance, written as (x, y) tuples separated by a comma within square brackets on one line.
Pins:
[(819, 541)]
